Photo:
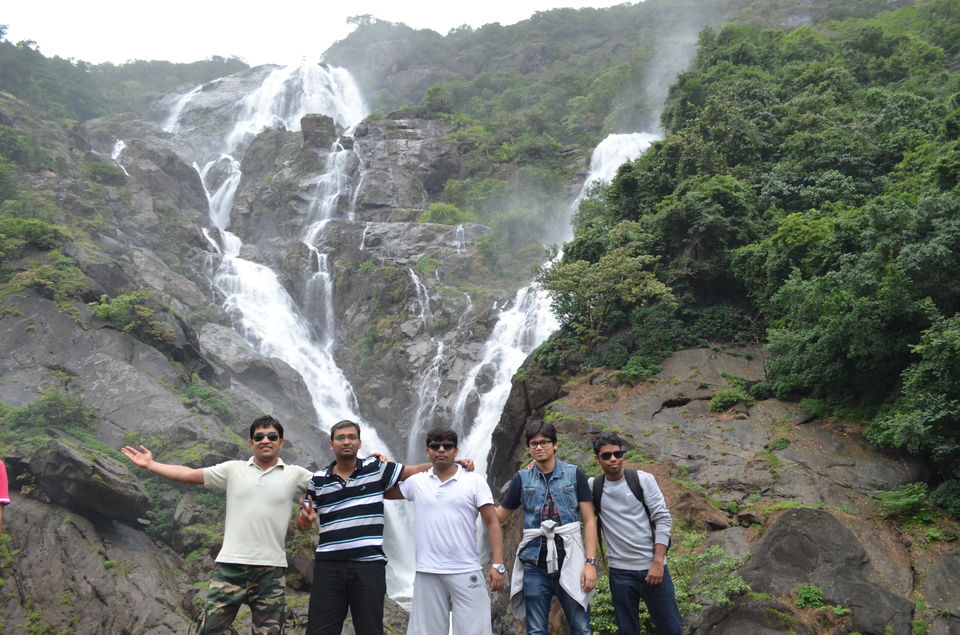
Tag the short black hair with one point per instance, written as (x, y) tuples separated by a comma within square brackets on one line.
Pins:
[(540, 428), (265, 421), (346, 423), (606, 438), (441, 434)]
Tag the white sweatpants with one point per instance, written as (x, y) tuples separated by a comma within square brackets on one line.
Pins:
[(437, 596)]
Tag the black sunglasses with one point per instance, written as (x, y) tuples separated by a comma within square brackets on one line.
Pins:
[(617, 453), (446, 445), (273, 436)]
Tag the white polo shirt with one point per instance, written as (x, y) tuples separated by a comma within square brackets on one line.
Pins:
[(258, 509), (446, 519)]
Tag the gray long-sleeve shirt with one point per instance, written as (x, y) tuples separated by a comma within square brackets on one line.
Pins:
[(626, 528)]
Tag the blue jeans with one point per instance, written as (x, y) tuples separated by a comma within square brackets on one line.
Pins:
[(627, 589), (539, 587)]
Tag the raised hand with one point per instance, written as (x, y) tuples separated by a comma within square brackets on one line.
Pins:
[(308, 515), (141, 458)]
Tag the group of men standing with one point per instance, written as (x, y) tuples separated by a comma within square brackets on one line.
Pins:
[(344, 502)]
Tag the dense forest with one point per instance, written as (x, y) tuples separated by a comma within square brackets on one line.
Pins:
[(806, 195)]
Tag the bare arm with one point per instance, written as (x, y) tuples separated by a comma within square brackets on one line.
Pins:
[(588, 579), (393, 494), (495, 537), (180, 473), (503, 513)]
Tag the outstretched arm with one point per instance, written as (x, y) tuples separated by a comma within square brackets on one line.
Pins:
[(181, 473)]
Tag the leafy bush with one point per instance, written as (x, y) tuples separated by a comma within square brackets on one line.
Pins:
[(104, 173), (725, 399), (34, 232), (947, 496), (54, 409), (638, 367), (444, 213), (904, 501), (809, 596), (134, 313)]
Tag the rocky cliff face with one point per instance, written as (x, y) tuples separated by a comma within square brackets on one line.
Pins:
[(788, 494), (411, 301)]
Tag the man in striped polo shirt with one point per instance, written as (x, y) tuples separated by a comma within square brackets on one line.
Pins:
[(346, 497)]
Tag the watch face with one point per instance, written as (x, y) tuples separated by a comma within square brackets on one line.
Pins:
[(500, 568)]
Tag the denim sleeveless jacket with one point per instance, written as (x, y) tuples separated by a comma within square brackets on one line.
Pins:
[(563, 485)]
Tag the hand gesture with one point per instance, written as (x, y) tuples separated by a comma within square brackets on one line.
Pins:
[(466, 464), (141, 458), (308, 515)]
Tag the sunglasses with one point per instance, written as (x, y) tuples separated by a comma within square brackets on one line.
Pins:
[(606, 455), (260, 436), (446, 445)]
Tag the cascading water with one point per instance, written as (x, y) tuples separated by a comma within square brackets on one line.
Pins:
[(260, 307), (115, 154), (528, 321)]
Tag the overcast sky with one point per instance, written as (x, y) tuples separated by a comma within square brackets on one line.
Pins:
[(274, 31)]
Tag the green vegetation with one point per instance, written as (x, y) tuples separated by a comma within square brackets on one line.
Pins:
[(725, 399), (135, 313), (808, 596), (806, 195), (700, 575)]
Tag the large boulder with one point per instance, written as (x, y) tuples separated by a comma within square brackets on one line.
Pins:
[(71, 574), (853, 562), (87, 482)]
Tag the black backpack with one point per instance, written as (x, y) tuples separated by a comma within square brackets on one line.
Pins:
[(633, 482)]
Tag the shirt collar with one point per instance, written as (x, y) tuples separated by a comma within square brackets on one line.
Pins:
[(455, 474), (278, 464)]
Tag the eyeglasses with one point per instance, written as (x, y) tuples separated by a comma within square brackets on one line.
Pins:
[(606, 455), (346, 437), (539, 444), (260, 436), (446, 445)]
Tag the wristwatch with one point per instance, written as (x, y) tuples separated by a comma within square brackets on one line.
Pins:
[(501, 569), (592, 561)]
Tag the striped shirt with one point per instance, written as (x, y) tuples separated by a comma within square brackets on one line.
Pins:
[(351, 513)]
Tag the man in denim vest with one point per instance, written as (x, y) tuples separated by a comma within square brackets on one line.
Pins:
[(552, 558)]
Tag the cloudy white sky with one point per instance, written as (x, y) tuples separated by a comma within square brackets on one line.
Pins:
[(272, 31)]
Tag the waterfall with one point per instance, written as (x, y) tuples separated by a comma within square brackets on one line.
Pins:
[(257, 303), (526, 323), (615, 150), (115, 155), (172, 124)]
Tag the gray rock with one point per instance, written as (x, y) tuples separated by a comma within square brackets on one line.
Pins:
[(87, 482), (89, 578), (814, 547)]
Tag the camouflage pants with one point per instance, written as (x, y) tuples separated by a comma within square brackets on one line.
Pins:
[(260, 587)]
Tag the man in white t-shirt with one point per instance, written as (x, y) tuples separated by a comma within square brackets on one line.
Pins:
[(252, 563), (449, 576)]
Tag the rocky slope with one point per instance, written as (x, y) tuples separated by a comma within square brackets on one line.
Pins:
[(789, 494)]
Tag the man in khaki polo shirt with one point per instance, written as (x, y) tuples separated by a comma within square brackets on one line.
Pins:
[(251, 565)]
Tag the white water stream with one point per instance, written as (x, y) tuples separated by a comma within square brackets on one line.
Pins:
[(264, 313)]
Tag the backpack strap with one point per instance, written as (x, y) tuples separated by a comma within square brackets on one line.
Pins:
[(597, 495)]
